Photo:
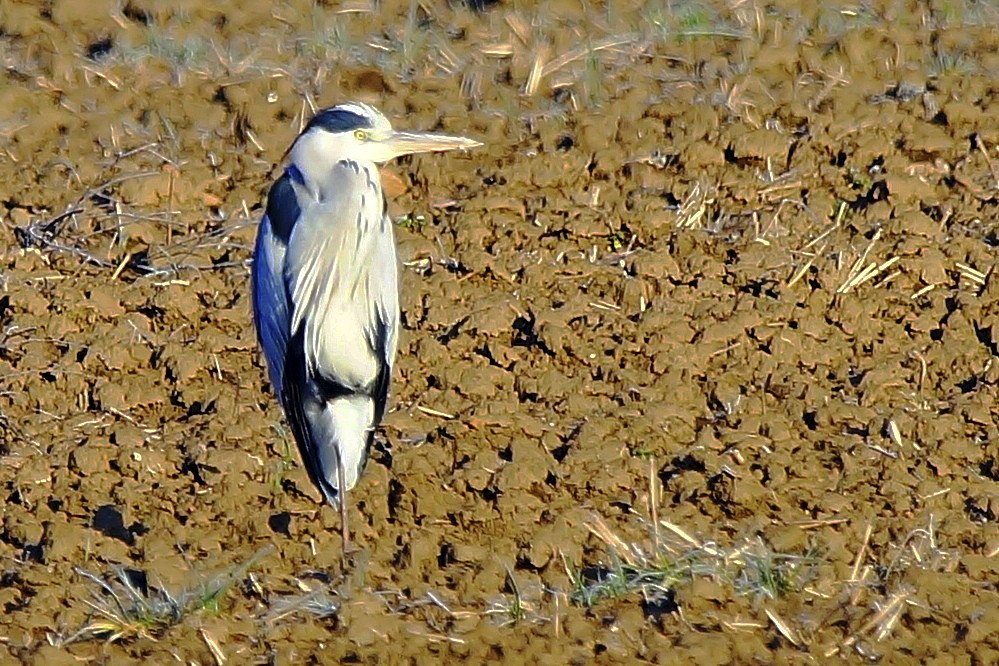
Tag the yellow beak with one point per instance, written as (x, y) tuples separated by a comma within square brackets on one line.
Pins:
[(408, 143)]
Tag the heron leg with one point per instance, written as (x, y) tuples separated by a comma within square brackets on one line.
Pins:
[(342, 502)]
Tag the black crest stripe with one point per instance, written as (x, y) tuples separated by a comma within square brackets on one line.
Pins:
[(339, 119)]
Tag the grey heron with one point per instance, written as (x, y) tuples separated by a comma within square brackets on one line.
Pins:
[(325, 288)]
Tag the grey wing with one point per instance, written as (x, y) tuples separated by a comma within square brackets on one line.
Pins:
[(271, 311), (386, 315), (270, 303)]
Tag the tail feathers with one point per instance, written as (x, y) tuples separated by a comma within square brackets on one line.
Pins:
[(343, 431), (330, 423)]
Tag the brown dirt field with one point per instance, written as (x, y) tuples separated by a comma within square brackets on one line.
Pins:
[(700, 350)]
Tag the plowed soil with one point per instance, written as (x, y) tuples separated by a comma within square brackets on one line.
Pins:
[(716, 304)]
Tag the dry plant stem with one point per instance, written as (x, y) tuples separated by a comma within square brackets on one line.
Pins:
[(860, 554)]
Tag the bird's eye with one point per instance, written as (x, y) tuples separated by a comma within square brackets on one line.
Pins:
[(361, 135)]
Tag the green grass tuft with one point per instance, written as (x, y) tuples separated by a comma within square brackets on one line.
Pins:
[(751, 568), (124, 608)]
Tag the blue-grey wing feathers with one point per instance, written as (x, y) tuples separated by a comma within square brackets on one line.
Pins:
[(271, 310)]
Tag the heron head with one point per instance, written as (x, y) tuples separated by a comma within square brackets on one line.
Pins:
[(360, 132)]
